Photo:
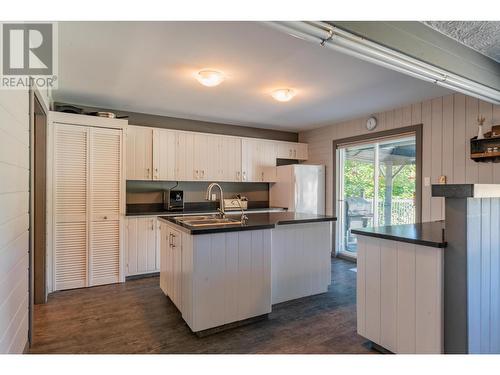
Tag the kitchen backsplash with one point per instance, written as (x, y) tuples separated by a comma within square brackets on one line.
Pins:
[(151, 191)]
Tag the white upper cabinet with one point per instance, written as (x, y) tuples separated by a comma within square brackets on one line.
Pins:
[(230, 159), (164, 154), (258, 160), (206, 157), (184, 157), (139, 153), (292, 150), (173, 155)]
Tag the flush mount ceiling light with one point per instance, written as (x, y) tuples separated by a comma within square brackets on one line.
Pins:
[(210, 78), (283, 95)]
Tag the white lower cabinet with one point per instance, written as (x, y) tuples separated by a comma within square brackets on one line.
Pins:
[(301, 260), (400, 295), (142, 246), (216, 279)]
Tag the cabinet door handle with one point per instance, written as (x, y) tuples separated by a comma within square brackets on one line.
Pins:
[(196, 174), (295, 153), (147, 172), (202, 173), (237, 176)]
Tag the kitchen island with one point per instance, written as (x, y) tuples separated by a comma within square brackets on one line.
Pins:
[(219, 274), (399, 293), (434, 287)]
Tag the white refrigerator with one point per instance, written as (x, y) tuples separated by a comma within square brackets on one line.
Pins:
[(300, 188)]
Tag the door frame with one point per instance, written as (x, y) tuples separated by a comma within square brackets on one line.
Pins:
[(416, 129), (35, 97)]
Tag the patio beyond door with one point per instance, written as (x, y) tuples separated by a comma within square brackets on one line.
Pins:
[(376, 186)]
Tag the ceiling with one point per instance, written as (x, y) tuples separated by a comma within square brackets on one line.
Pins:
[(482, 36), (148, 67)]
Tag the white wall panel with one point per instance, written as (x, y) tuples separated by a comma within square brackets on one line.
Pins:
[(448, 124), (483, 275), (14, 219), (400, 295)]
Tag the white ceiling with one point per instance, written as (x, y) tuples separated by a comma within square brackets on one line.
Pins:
[(147, 67)]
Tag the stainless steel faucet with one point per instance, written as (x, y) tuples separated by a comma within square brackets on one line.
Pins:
[(208, 197), (244, 217)]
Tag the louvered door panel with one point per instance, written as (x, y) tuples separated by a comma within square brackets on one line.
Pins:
[(70, 206), (105, 174), (105, 252), (105, 200)]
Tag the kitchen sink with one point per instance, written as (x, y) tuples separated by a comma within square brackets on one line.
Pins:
[(200, 221)]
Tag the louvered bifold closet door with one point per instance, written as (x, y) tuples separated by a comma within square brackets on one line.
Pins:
[(105, 201), (71, 153)]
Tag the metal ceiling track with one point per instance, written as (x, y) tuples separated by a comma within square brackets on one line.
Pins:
[(327, 35)]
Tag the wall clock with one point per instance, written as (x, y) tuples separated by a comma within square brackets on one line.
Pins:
[(371, 123)]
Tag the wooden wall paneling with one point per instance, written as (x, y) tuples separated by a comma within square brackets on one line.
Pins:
[(474, 274), (361, 286), (372, 299), (496, 166), (483, 275), (436, 152), (388, 294), (495, 276), (407, 115), (471, 112), (416, 113), (131, 245), (428, 300), (406, 298), (485, 296), (485, 172), (217, 277), (398, 117), (447, 137), (382, 120), (459, 139), (231, 292), (389, 119), (427, 159)]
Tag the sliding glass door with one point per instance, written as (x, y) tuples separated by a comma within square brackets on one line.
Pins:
[(376, 186)]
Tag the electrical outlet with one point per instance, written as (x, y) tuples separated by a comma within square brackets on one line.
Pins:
[(427, 181), (214, 196)]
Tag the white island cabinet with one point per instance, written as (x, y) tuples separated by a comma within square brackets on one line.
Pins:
[(217, 276), (216, 279)]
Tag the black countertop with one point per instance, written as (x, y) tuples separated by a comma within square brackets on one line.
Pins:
[(255, 221), (466, 190), (426, 234)]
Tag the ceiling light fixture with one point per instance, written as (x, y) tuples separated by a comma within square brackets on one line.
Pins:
[(210, 78), (343, 41), (283, 95)]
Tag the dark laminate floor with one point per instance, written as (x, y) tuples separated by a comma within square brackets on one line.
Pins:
[(135, 317)]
